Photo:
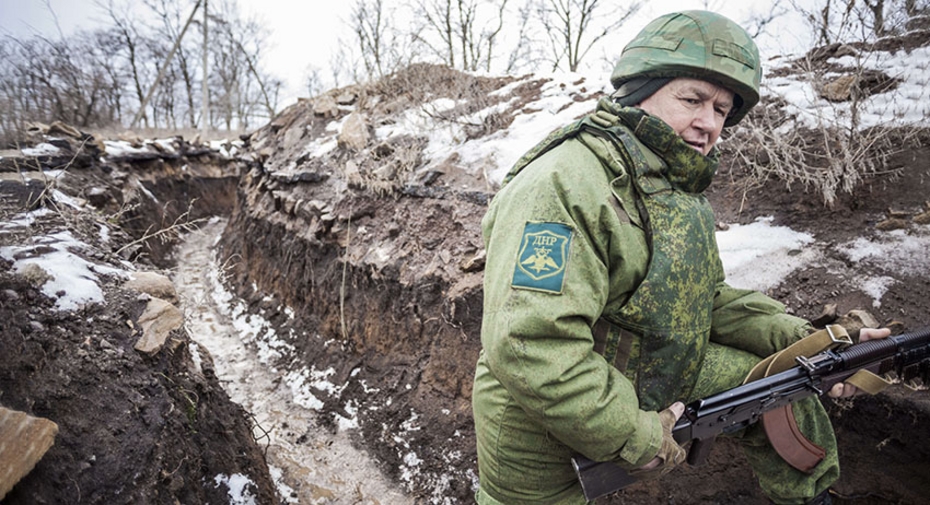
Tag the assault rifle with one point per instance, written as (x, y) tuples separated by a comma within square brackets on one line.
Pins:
[(904, 358)]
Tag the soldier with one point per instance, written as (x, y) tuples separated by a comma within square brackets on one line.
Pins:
[(605, 302)]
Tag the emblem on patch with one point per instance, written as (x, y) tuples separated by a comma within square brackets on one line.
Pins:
[(543, 257)]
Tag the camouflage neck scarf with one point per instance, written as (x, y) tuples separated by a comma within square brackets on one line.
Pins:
[(685, 168)]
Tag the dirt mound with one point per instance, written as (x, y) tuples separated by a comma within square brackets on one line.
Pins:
[(133, 429)]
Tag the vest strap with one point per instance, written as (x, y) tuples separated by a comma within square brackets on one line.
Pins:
[(613, 342), (600, 332)]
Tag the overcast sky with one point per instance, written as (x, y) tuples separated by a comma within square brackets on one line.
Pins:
[(306, 32)]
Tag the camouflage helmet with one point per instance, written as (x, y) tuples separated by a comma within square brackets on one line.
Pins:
[(697, 44)]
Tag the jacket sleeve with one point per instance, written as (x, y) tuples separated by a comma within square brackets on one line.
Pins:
[(750, 321), (539, 344)]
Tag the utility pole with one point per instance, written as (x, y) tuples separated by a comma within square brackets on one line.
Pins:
[(205, 105)]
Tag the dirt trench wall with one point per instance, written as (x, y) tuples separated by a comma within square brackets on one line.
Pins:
[(382, 296), (153, 192), (884, 446), (162, 194), (134, 428)]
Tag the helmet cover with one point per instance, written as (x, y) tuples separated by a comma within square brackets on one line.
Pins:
[(697, 44)]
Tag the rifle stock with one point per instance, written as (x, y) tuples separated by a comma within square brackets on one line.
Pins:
[(905, 358)]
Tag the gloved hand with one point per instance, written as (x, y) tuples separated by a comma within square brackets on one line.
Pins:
[(670, 453)]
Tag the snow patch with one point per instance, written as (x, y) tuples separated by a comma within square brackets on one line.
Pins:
[(238, 486), (286, 492), (73, 282), (759, 256), (41, 149), (898, 250)]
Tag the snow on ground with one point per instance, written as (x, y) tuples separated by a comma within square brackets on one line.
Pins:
[(56, 261), (237, 486), (894, 251), (309, 464), (41, 149), (905, 105), (122, 148), (758, 255), (495, 154)]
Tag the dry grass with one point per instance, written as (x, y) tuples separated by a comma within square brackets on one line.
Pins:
[(822, 153)]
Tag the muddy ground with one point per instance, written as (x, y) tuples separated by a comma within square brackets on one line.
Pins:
[(373, 277)]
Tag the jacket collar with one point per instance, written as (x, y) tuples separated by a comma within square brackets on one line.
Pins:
[(684, 167)]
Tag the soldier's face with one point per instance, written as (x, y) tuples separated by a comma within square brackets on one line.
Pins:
[(695, 109)]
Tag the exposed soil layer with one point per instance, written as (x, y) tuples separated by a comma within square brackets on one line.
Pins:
[(414, 340), (133, 427)]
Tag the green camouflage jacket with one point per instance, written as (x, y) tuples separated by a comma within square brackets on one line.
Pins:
[(568, 247)]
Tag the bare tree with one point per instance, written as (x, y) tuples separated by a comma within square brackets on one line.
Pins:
[(877, 10), (131, 44), (758, 22), (242, 90), (340, 65), (369, 21), (171, 16), (313, 81), (461, 33), (857, 20), (106, 43), (889, 17), (8, 95), (438, 18), (46, 80), (523, 51), (572, 28), (835, 20), (100, 78)]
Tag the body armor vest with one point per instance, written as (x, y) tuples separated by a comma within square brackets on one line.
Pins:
[(670, 312)]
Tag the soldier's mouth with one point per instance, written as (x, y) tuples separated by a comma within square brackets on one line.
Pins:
[(697, 145)]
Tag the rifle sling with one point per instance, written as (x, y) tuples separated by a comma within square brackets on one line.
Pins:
[(819, 341), (868, 382)]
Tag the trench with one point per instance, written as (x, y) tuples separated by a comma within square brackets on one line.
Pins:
[(421, 373), (311, 463)]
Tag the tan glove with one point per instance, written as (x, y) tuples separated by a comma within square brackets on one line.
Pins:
[(670, 453)]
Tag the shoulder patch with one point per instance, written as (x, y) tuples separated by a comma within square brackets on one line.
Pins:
[(543, 257)]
